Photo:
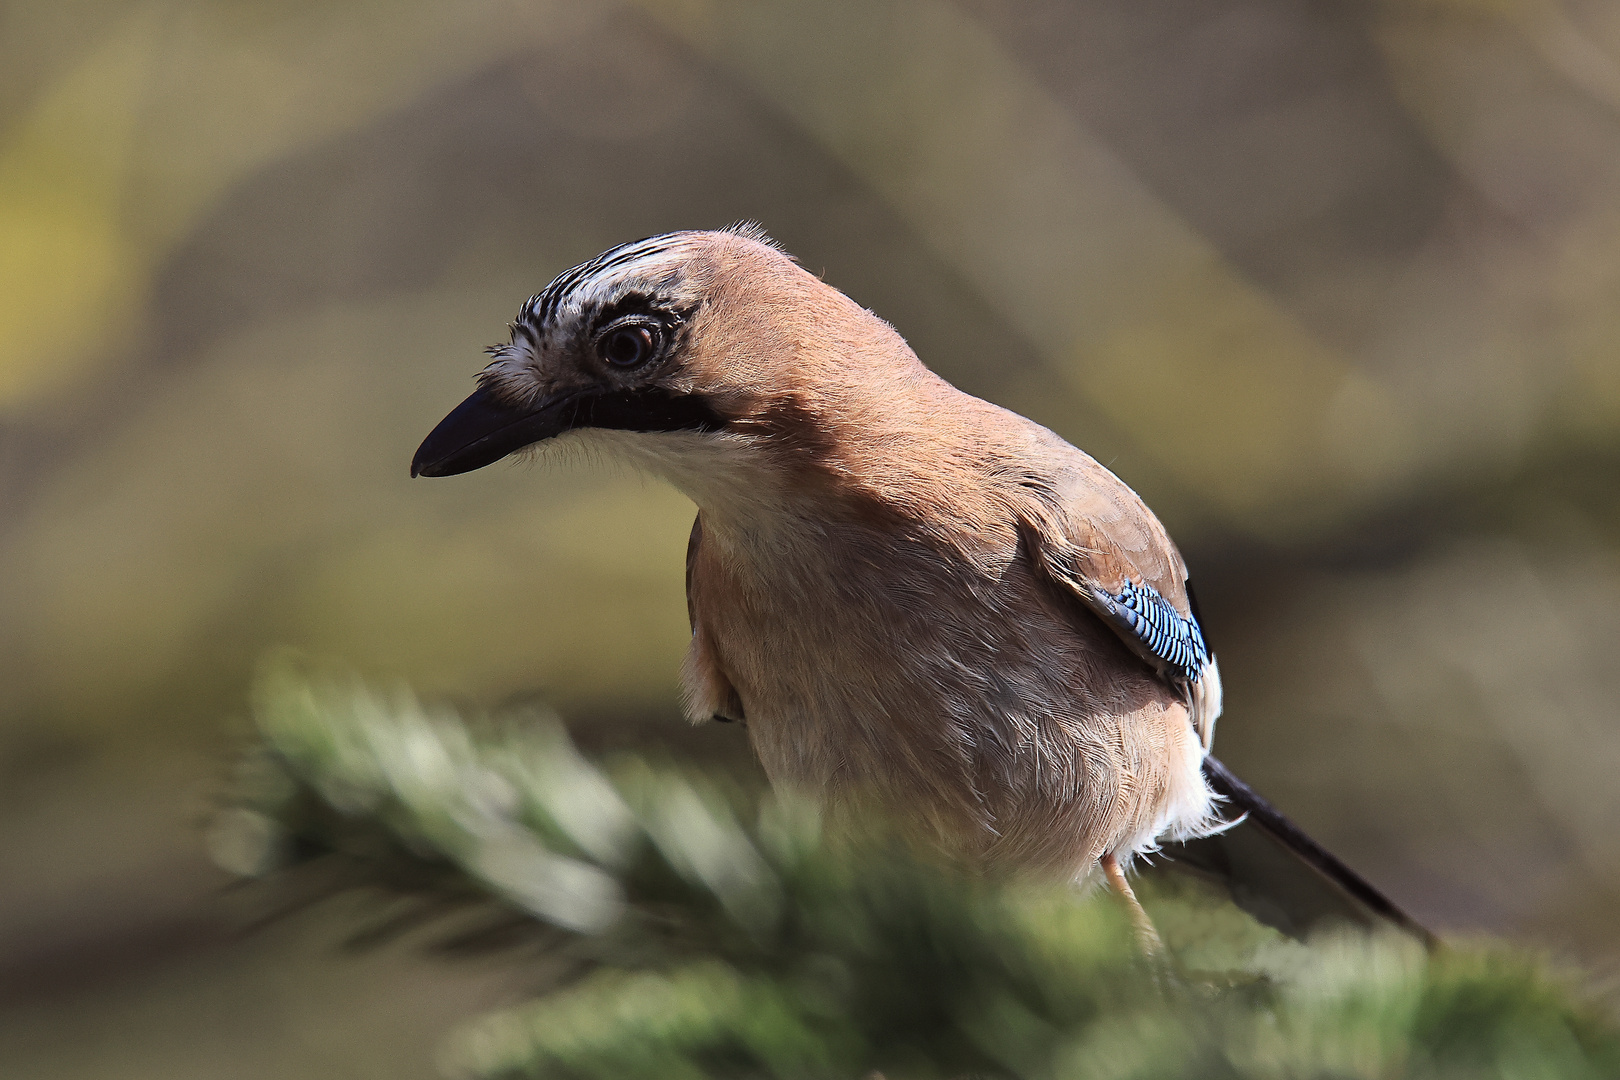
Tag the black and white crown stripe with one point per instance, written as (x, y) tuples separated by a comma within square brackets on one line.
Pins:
[(544, 305), (1167, 634)]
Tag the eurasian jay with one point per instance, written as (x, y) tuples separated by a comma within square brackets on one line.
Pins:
[(913, 598)]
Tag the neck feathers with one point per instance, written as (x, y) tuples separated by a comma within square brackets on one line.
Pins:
[(830, 418)]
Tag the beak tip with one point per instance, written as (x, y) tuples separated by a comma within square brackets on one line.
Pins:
[(480, 431)]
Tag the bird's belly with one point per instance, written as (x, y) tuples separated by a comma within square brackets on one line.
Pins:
[(1007, 741)]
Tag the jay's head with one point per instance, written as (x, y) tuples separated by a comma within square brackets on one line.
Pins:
[(688, 334)]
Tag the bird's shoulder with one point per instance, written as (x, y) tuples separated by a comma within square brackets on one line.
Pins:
[(1093, 542), (1111, 536), (1079, 518)]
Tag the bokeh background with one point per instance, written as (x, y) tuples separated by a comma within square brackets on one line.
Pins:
[(1335, 285)]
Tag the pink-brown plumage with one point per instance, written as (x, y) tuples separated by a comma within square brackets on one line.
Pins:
[(893, 582), (916, 600), (875, 583)]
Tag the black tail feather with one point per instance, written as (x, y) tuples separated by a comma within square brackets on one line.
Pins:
[(1279, 874)]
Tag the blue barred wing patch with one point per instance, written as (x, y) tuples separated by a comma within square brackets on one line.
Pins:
[(1163, 632)]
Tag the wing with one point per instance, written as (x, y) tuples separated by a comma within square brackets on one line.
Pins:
[(725, 704), (692, 543), (1094, 540)]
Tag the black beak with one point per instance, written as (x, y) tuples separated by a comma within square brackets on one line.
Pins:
[(482, 430)]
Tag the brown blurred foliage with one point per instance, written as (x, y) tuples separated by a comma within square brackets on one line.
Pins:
[(1335, 285)]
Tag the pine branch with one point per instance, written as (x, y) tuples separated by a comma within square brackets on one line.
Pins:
[(722, 935)]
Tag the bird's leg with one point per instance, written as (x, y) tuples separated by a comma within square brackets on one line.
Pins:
[(1147, 936)]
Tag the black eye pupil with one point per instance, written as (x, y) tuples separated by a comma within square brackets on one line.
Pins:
[(628, 346)]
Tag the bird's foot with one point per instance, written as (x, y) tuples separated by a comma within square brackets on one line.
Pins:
[(1147, 935)]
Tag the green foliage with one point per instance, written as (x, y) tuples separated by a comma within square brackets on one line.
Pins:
[(718, 933)]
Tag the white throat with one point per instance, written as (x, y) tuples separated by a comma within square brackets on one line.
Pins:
[(742, 493)]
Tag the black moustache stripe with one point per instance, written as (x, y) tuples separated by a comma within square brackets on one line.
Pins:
[(644, 410)]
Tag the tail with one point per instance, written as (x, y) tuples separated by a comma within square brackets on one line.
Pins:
[(1278, 874)]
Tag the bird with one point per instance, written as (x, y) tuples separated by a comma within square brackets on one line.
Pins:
[(916, 601)]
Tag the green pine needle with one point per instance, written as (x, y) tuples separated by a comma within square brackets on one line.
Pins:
[(723, 935)]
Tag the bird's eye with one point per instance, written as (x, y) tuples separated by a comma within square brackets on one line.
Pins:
[(628, 346)]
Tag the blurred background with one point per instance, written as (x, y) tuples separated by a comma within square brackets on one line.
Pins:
[(1334, 285)]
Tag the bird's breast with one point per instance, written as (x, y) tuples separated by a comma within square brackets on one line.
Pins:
[(947, 685), (888, 640)]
